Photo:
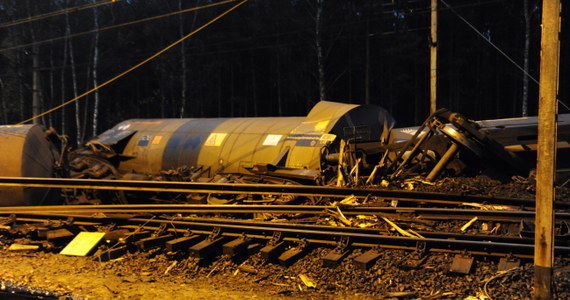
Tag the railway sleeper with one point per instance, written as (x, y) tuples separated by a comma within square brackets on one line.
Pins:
[(273, 248), (293, 254), (182, 243), (136, 235), (336, 255), (507, 263), (334, 258), (106, 254), (416, 258), (237, 247), (366, 260), (36, 230), (61, 235), (153, 242), (115, 236), (209, 247), (462, 264), (253, 248)]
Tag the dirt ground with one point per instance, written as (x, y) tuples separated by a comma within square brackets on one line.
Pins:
[(64, 277), (155, 275)]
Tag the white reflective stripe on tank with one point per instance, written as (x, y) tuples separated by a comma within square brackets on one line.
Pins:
[(215, 139), (272, 139)]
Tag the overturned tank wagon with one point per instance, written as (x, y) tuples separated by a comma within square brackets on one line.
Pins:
[(27, 151), (285, 147), (335, 144)]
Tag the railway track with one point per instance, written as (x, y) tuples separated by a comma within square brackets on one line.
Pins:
[(431, 198), (418, 212), (177, 228), (204, 231)]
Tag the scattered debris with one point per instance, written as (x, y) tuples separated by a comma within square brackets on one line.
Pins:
[(24, 247), (340, 216), (247, 269), (491, 207), (170, 267), (400, 230), (468, 224), (401, 294), (307, 281), (83, 244), (365, 221)]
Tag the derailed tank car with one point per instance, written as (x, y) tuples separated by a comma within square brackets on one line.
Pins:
[(286, 147), (26, 152), (336, 143)]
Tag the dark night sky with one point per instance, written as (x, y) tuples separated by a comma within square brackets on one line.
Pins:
[(261, 59)]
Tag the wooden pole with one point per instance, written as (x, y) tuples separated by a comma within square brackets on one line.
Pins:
[(433, 58), (547, 137)]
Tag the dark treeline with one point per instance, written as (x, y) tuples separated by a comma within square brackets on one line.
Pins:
[(266, 58)]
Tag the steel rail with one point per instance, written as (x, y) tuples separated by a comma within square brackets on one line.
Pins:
[(562, 241), (86, 220), (323, 235), (420, 213), (265, 189)]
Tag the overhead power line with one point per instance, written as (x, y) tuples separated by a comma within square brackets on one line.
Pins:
[(116, 26), (185, 11), (137, 65), (56, 13), (497, 48), (489, 41)]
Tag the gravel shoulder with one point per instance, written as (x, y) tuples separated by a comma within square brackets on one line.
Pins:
[(156, 276)]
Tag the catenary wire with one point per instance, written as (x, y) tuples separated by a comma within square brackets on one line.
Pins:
[(497, 48), (56, 13), (223, 2), (489, 41), (416, 11), (137, 65), (116, 26)]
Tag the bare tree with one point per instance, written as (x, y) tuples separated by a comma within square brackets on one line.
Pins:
[(21, 86), (319, 49), (526, 15), (62, 82), (73, 79), (51, 85), (253, 85), (183, 62), (3, 103), (183, 76), (36, 91), (367, 62), (94, 69), (36, 87)]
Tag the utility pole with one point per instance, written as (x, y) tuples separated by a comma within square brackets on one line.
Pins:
[(547, 137), (433, 58)]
